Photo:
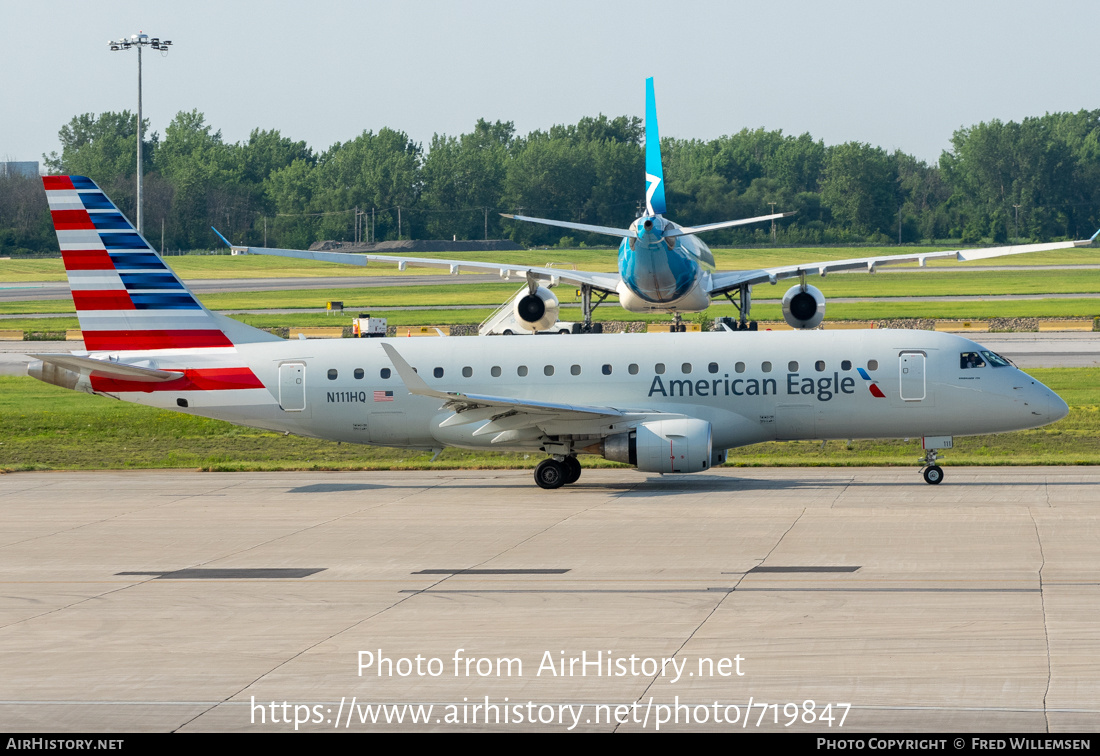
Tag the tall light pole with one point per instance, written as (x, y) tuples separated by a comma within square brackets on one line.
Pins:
[(139, 41)]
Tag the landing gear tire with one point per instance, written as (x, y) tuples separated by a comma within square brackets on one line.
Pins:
[(572, 470), (551, 474), (591, 328), (933, 474)]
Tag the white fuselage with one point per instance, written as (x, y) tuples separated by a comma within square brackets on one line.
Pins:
[(751, 386)]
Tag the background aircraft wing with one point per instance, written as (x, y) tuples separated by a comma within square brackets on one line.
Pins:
[(601, 281), (724, 281)]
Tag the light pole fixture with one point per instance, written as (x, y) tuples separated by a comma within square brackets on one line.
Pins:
[(139, 41)]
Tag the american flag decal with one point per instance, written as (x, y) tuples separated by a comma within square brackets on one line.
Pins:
[(383, 396)]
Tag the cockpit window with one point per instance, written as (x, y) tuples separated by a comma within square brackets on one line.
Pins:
[(969, 360), (995, 359)]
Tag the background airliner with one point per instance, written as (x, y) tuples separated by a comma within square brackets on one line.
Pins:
[(666, 403), (663, 267)]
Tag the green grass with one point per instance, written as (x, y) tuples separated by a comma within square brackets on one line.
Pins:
[(836, 286), (46, 427)]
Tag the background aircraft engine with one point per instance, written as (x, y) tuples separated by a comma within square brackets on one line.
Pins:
[(538, 311), (803, 306), (664, 446)]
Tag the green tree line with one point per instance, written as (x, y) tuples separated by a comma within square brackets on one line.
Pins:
[(1035, 180)]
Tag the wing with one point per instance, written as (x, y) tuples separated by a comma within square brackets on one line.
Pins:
[(601, 281), (633, 232), (505, 415), (727, 280)]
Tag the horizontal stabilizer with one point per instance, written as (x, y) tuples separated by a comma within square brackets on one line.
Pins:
[(605, 230), (723, 224), (106, 369)]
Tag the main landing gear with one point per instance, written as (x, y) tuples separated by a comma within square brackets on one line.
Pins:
[(933, 473), (587, 306), (557, 472)]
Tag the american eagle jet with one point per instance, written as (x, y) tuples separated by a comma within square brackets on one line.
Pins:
[(664, 403)]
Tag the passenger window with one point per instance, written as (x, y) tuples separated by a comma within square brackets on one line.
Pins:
[(632, 369), (466, 371), (739, 367), (765, 367), (358, 374), (659, 368), (573, 369), (819, 366), (969, 360), (384, 373), (493, 371), (792, 367), (872, 364), (521, 371), (438, 372), (548, 370), (685, 368), (606, 368), (846, 365), (712, 367), (332, 374)]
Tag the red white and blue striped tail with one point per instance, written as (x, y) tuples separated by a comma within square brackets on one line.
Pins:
[(126, 298)]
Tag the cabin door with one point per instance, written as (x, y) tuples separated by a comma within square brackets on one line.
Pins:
[(292, 386), (911, 376)]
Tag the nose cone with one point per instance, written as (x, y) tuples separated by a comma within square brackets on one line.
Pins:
[(1056, 407)]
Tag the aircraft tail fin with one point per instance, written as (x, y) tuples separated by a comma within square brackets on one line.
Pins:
[(654, 173), (126, 298)]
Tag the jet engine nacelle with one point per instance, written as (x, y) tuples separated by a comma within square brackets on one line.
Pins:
[(664, 446), (803, 306), (538, 311)]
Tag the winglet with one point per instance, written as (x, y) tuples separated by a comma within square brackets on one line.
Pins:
[(1093, 237), (654, 173), (221, 237), (413, 382)]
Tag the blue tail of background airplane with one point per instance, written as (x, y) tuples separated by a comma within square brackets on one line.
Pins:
[(654, 173)]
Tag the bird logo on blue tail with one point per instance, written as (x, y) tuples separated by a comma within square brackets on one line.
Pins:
[(654, 173)]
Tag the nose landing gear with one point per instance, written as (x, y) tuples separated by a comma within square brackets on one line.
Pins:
[(932, 472)]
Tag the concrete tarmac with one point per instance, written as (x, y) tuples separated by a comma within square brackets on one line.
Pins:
[(155, 601)]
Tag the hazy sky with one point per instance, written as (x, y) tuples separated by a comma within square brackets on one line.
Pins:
[(900, 75)]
